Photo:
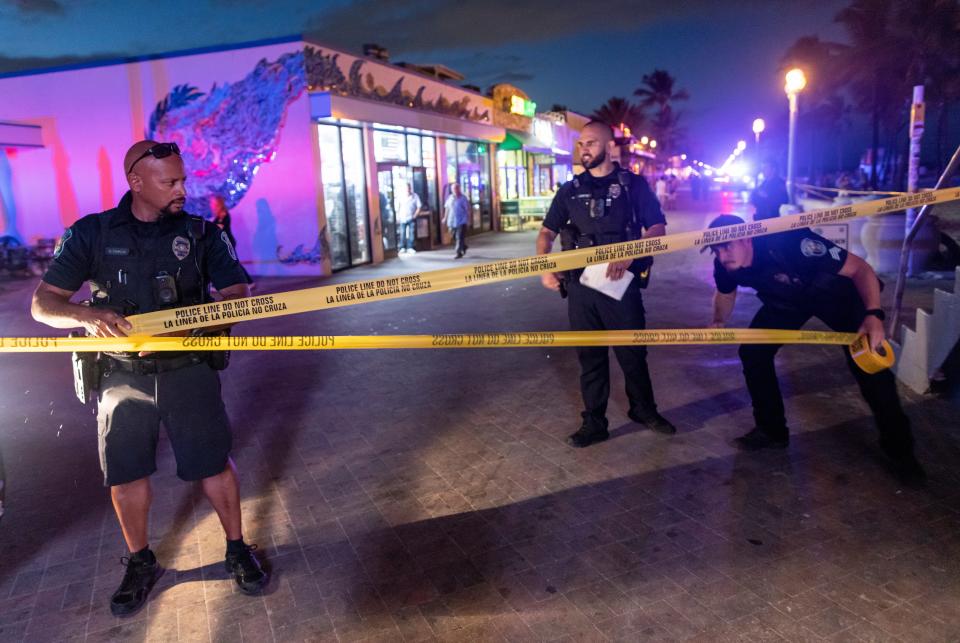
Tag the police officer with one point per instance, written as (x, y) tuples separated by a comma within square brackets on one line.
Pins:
[(147, 254), (798, 275), (603, 205)]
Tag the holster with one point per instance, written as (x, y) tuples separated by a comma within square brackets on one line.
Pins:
[(218, 360), (87, 371)]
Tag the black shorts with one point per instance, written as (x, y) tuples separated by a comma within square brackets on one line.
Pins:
[(188, 402)]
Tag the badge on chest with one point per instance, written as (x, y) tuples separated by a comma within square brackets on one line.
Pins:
[(181, 247)]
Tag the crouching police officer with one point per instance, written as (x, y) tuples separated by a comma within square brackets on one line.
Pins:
[(603, 205), (798, 275), (147, 254)]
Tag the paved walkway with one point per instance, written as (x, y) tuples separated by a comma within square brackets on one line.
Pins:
[(429, 495)]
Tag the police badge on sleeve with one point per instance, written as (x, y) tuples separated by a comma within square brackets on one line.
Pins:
[(181, 248), (226, 241), (58, 250), (812, 248)]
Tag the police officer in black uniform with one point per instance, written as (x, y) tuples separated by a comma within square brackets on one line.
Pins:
[(798, 275), (605, 204), (144, 255)]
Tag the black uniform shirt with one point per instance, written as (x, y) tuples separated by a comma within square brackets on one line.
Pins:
[(796, 270), (644, 201), (74, 260)]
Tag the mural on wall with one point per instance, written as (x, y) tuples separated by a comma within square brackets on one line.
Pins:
[(324, 74), (226, 134)]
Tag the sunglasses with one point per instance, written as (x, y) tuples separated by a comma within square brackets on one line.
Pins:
[(158, 151)]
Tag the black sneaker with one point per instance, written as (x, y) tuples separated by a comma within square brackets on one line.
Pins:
[(758, 439), (139, 579), (246, 570), (586, 435), (653, 420)]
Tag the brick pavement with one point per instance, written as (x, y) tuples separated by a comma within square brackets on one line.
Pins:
[(404, 495)]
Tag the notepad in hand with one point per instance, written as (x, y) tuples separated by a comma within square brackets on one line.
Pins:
[(595, 276)]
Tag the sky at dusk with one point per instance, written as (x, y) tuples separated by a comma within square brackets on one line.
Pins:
[(726, 55)]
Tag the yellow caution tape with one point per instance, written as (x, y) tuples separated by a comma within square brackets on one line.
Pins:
[(381, 289), (670, 337), (869, 360)]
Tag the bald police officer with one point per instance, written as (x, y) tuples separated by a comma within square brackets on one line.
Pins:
[(144, 255), (798, 275), (605, 204)]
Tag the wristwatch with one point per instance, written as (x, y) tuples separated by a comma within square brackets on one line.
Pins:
[(876, 312)]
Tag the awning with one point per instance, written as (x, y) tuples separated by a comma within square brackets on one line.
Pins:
[(326, 105), (515, 140)]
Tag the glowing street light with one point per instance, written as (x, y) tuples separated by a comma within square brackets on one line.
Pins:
[(644, 140), (795, 81), (653, 143), (741, 145)]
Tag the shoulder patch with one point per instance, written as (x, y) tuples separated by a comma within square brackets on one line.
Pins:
[(226, 242), (812, 248), (67, 235)]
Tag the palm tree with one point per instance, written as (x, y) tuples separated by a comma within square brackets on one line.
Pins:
[(930, 33), (658, 91), (874, 65), (619, 111)]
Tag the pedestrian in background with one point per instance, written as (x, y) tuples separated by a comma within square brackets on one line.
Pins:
[(407, 218), (456, 216), (767, 197)]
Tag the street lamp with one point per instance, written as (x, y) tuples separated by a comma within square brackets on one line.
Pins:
[(758, 126), (795, 82)]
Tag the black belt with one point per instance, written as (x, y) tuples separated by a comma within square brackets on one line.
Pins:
[(151, 366)]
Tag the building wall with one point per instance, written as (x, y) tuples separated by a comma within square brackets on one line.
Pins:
[(91, 116)]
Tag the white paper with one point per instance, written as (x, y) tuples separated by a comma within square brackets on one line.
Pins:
[(595, 276)]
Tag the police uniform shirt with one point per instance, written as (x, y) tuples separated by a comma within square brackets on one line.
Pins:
[(795, 270), (145, 249), (637, 193)]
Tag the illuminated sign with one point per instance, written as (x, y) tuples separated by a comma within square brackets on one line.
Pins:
[(543, 131), (522, 106)]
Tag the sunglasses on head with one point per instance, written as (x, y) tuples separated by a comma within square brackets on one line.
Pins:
[(158, 151)]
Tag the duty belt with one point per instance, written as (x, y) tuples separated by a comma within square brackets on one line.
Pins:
[(152, 366)]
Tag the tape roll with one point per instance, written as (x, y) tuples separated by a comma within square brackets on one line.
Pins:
[(871, 361), (362, 292)]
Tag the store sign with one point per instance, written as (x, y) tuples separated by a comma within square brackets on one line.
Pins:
[(389, 146), (543, 131), (522, 106)]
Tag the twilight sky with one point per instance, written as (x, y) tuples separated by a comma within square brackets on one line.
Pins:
[(726, 54)]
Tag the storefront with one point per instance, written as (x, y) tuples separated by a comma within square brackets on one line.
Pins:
[(532, 165), (312, 149)]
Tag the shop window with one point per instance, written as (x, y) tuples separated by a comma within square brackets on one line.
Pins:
[(344, 194)]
